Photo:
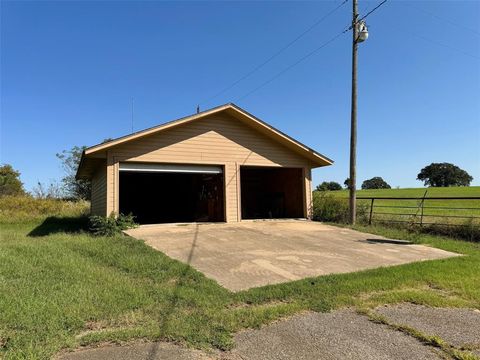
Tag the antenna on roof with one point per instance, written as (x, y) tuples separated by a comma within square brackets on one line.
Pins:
[(133, 102), (198, 109)]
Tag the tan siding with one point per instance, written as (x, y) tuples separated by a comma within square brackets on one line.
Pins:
[(111, 185), (308, 192), (98, 205), (218, 140)]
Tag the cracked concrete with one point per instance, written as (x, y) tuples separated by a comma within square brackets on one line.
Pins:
[(137, 351), (342, 334), (249, 254), (458, 327)]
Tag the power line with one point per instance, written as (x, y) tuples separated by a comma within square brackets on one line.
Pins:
[(422, 37), (373, 10), (446, 46), (291, 66), (444, 19), (348, 28), (440, 43), (310, 53), (276, 53)]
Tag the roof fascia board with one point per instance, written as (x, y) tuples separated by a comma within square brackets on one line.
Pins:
[(152, 130), (310, 153), (281, 134)]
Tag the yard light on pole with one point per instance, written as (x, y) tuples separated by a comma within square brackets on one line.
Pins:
[(362, 31), (360, 34)]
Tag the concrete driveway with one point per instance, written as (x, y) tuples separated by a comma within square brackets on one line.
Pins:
[(243, 255), (343, 334)]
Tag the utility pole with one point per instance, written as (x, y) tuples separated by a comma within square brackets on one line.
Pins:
[(360, 34), (353, 124)]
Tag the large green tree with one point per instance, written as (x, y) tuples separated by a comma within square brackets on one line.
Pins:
[(10, 183), (329, 186), (375, 183), (77, 189), (443, 175)]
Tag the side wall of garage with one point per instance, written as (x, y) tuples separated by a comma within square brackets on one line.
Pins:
[(215, 140), (98, 205), (308, 195)]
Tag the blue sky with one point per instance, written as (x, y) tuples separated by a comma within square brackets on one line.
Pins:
[(70, 69)]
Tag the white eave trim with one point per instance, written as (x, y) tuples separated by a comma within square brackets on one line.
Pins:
[(171, 168)]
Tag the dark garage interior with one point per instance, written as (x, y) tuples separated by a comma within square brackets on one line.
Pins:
[(268, 192), (166, 197)]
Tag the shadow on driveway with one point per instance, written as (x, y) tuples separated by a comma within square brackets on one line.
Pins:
[(153, 353)]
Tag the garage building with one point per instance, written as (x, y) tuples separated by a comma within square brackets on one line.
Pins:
[(219, 165)]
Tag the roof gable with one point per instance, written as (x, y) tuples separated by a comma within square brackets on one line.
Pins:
[(216, 137), (99, 151)]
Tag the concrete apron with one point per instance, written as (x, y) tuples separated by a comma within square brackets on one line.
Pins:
[(250, 254)]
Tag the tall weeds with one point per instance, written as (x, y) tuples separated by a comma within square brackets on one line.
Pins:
[(329, 208), (26, 208)]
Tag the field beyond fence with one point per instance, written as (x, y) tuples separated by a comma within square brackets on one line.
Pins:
[(450, 208), (456, 211)]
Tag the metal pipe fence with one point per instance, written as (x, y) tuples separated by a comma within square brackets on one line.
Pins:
[(424, 211)]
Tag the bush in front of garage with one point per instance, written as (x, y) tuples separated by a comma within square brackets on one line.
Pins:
[(111, 225)]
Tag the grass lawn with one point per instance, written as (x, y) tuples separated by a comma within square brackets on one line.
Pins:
[(431, 207), (61, 289)]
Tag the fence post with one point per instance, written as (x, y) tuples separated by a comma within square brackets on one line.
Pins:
[(371, 212), (421, 209), (421, 214)]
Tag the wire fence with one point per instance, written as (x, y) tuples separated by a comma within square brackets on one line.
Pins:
[(443, 211)]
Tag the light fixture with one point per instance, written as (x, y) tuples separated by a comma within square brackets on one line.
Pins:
[(362, 31)]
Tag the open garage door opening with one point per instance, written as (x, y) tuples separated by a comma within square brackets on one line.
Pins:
[(171, 193), (271, 193)]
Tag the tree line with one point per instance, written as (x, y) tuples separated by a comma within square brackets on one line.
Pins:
[(433, 175), (67, 188)]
